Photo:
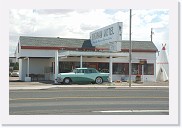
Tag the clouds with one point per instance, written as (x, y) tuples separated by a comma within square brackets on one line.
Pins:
[(21, 22), (53, 11), (70, 23)]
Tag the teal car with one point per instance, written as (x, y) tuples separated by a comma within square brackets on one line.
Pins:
[(83, 75)]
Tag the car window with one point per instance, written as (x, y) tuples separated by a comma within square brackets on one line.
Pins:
[(94, 71), (80, 71), (88, 71), (85, 71), (74, 70)]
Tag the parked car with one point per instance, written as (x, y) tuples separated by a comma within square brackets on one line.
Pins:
[(83, 75), (15, 73)]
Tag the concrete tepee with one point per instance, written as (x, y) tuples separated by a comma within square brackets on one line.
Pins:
[(162, 65)]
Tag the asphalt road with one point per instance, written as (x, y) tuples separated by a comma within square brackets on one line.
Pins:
[(94, 101)]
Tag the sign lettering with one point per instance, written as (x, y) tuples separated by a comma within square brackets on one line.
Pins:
[(108, 34)]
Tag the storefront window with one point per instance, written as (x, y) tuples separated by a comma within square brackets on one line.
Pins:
[(121, 69), (65, 67), (136, 69), (90, 65), (76, 64), (103, 67), (118, 68), (149, 69), (85, 65)]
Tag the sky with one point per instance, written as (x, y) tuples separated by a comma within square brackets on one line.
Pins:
[(70, 23)]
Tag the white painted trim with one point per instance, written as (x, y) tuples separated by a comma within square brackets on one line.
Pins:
[(28, 66), (81, 60), (91, 53), (110, 69), (56, 66)]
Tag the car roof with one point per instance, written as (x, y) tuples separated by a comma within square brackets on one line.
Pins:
[(85, 68)]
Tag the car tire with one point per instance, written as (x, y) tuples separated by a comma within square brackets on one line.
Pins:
[(99, 80), (67, 81)]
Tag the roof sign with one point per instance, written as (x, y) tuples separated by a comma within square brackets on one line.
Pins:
[(108, 34)]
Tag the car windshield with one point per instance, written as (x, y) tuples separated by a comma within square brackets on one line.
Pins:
[(85, 71), (74, 70)]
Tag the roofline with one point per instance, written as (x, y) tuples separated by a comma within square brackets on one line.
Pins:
[(61, 48), (139, 50), (53, 37), (82, 38), (81, 49)]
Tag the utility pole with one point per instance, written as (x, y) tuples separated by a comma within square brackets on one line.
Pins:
[(151, 34), (130, 50)]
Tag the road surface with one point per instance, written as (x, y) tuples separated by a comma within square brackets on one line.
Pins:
[(93, 101)]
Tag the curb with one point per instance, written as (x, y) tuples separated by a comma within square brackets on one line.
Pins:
[(82, 87)]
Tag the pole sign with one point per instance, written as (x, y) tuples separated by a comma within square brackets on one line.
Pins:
[(108, 34)]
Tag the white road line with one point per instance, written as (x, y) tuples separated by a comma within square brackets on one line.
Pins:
[(114, 111), (88, 97)]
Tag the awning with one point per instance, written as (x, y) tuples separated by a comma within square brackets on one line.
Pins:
[(92, 53)]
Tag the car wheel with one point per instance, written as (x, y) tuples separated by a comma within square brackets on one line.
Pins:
[(67, 81), (98, 80)]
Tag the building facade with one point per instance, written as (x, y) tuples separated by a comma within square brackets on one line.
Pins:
[(37, 58)]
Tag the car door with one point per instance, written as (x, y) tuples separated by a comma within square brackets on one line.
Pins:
[(92, 74), (79, 76), (89, 77), (85, 76)]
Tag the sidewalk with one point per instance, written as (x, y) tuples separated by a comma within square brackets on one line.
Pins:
[(15, 85)]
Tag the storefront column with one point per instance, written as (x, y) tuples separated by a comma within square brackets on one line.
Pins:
[(110, 69), (28, 71), (27, 78), (142, 73), (56, 66), (154, 70), (81, 59)]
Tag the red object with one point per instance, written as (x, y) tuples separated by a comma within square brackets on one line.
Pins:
[(164, 47), (138, 75)]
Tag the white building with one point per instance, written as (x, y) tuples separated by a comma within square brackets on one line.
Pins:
[(37, 57)]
